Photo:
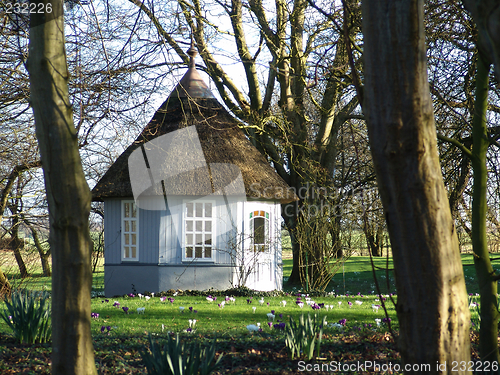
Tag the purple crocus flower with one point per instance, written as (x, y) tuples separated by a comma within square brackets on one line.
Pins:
[(343, 322), (171, 300), (272, 312), (270, 324), (131, 295), (125, 309), (108, 328), (190, 308), (163, 299), (386, 320), (102, 329), (116, 304), (94, 315)]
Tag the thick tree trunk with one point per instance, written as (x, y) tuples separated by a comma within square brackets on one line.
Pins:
[(68, 194), (432, 300), (488, 332)]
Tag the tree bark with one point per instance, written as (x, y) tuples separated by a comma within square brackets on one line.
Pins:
[(488, 331), (68, 194), (432, 304)]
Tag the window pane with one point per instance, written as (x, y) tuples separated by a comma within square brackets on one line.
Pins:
[(258, 230), (134, 252), (189, 225), (189, 209), (199, 238), (199, 226), (134, 210), (199, 209), (134, 239), (189, 252), (134, 226), (127, 241), (208, 252), (198, 252), (208, 226), (189, 239), (261, 213), (208, 239), (127, 252), (127, 209), (127, 225), (208, 209)]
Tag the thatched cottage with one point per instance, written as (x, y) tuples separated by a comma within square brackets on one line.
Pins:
[(191, 204)]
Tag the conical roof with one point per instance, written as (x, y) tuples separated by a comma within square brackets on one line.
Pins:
[(191, 104)]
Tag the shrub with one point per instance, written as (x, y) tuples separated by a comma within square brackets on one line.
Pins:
[(172, 357), (301, 338), (28, 315)]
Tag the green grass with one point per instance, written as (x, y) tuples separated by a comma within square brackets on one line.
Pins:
[(231, 320)]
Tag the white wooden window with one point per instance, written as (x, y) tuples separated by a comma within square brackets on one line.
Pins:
[(259, 230), (198, 219), (130, 231)]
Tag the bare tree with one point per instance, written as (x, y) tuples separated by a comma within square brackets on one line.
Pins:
[(433, 312), (68, 194)]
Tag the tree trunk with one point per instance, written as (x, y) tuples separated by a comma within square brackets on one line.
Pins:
[(5, 287), (68, 194), (16, 245), (488, 331), (44, 256), (432, 304)]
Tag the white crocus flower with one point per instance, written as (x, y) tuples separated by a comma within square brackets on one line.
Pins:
[(254, 308), (252, 328), (270, 316), (261, 301), (181, 309), (378, 321)]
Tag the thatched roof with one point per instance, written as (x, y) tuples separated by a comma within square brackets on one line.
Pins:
[(223, 143)]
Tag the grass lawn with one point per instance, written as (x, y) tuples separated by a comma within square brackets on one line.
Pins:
[(117, 348)]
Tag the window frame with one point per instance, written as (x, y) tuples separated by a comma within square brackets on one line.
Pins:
[(124, 233), (266, 215), (185, 232)]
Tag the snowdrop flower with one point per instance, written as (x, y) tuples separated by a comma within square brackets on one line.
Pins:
[(140, 295), (147, 298), (192, 323), (375, 308), (181, 309), (327, 307), (254, 308), (270, 316), (252, 328), (283, 303), (232, 299), (152, 294), (359, 303), (340, 303), (140, 310), (378, 321), (331, 307), (261, 301), (300, 304)]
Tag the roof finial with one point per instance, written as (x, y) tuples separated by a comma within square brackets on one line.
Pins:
[(192, 53)]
